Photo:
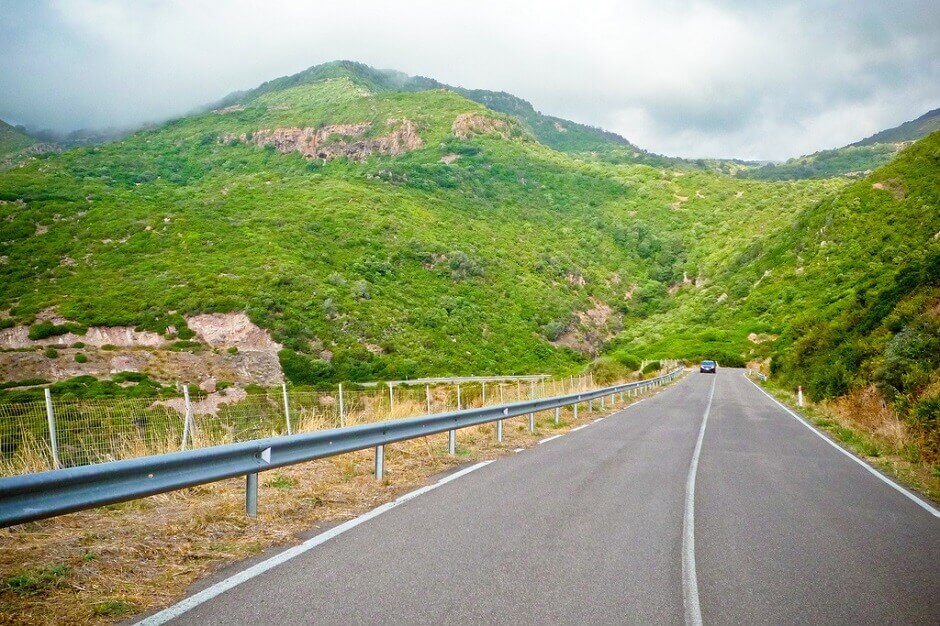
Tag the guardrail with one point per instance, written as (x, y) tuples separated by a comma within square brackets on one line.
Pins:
[(38, 496)]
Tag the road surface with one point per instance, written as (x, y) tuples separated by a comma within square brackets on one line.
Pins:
[(608, 525)]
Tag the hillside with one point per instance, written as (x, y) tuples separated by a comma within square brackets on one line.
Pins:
[(844, 296), (12, 140), (908, 131), (855, 160), (375, 233)]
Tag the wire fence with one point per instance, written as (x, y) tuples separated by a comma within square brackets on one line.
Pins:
[(39, 436)]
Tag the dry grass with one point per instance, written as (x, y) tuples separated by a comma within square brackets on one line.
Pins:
[(865, 410), (107, 564)]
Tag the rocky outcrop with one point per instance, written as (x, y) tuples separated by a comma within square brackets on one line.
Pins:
[(112, 349), (336, 140), (469, 124), (228, 330), (202, 368)]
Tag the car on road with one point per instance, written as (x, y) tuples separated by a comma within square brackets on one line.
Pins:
[(708, 367)]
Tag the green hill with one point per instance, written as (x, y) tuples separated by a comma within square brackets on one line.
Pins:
[(853, 161), (13, 140), (479, 253)]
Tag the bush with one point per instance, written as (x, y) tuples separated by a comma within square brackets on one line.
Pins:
[(81, 358), (628, 360), (301, 369), (51, 353), (233, 350), (43, 330), (361, 290), (653, 366), (554, 329)]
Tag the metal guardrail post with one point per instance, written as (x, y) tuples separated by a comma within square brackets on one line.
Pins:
[(251, 494), (576, 410), (379, 462), (452, 442), (286, 408), (557, 415), (53, 440), (499, 423)]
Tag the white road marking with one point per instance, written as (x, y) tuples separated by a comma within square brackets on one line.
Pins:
[(918, 501), (693, 611), (578, 428), (597, 420), (549, 438), (255, 570), (518, 449)]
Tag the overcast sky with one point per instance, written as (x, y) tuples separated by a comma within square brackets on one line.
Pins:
[(751, 78)]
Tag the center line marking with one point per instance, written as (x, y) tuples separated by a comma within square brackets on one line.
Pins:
[(693, 611)]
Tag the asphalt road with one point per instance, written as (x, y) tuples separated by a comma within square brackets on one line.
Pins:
[(589, 527)]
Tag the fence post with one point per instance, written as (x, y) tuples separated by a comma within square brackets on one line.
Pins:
[(799, 396), (459, 403), (452, 433), (188, 416), (251, 494), (342, 409), (379, 462), (427, 397), (286, 408), (53, 440), (483, 393), (499, 423), (391, 399), (532, 415)]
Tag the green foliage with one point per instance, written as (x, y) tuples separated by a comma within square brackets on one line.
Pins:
[(35, 582), (81, 358), (51, 353), (304, 370), (651, 367), (42, 330), (121, 385)]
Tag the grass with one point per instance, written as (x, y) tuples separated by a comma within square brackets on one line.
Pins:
[(171, 540)]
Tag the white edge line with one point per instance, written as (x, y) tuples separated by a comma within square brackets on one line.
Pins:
[(549, 438), (578, 428), (518, 449), (914, 498), (597, 420), (693, 610), (220, 587)]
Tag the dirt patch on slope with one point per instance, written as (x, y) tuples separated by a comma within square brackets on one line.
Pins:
[(335, 140), (590, 329), (468, 124), (226, 330)]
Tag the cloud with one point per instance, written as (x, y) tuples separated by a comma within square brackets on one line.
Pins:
[(719, 78)]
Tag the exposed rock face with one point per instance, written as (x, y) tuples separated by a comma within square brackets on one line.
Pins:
[(336, 140), (143, 351), (591, 329), (96, 336), (260, 368), (467, 124), (226, 330)]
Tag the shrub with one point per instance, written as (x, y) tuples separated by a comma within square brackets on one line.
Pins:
[(554, 329), (652, 366), (628, 360), (360, 289), (78, 344), (301, 369), (43, 330), (81, 358), (233, 350), (51, 353)]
